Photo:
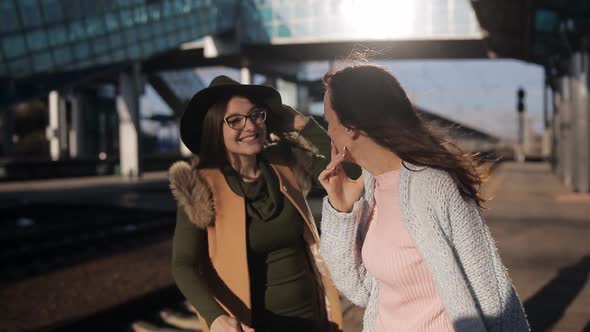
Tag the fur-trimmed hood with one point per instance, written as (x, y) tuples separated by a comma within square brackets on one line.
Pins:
[(192, 192)]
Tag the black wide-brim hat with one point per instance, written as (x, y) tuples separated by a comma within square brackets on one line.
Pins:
[(222, 87)]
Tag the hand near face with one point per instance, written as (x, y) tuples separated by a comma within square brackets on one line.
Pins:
[(287, 120), (342, 191)]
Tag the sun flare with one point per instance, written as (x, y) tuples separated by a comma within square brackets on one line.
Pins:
[(380, 18)]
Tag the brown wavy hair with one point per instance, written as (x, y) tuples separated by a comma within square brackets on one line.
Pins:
[(213, 153), (369, 98)]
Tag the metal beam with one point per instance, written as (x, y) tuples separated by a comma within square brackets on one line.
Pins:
[(323, 51), (377, 50), (167, 94)]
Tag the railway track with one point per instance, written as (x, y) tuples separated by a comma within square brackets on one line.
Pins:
[(36, 239)]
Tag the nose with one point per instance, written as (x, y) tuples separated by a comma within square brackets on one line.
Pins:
[(250, 125)]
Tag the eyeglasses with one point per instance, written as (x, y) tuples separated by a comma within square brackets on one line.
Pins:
[(238, 121)]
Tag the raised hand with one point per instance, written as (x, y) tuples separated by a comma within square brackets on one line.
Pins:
[(287, 119), (225, 323), (342, 191)]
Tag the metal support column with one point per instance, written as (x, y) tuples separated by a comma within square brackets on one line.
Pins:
[(580, 119), (56, 132), (75, 131), (565, 151), (130, 89)]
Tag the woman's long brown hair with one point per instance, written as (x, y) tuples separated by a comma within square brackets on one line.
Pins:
[(369, 98), (212, 153)]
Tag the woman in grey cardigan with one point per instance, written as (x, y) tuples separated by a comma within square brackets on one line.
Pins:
[(407, 240)]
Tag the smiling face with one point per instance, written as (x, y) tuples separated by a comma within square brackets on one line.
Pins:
[(247, 141)]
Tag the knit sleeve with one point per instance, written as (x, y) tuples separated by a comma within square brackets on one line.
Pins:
[(337, 247), (477, 253), (189, 259)]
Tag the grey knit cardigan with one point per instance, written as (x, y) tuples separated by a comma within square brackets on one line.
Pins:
[(451, 236)]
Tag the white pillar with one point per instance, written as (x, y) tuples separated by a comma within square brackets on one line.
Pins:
[(56, 132), (565, 141), (129, 130), (75, 131), (580, 119), (245, 76)]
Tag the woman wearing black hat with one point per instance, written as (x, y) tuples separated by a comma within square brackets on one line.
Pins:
[(246, 246)]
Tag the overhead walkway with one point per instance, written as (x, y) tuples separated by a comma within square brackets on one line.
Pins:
[(65, 45), (78, 54), (53, 44)]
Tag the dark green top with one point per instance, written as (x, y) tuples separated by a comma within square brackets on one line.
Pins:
[(283, 288), (281, 281)]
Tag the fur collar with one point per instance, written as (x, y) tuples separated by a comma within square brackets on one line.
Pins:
[(193, 194)]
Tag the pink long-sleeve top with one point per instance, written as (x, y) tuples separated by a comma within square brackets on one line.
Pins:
[(408, 299)]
